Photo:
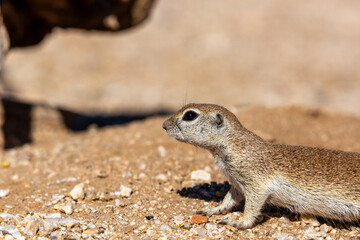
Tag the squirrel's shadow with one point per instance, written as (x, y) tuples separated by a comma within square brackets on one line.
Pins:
[(217, 191)]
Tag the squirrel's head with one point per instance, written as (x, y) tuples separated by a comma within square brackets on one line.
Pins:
[(203, 125)]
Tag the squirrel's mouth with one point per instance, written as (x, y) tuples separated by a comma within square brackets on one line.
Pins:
[(175, 132)]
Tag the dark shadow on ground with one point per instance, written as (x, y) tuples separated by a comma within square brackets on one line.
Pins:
[(80, 122), (17, 121), (217, 191)]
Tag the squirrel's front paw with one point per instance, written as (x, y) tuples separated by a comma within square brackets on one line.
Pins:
[(238, 224), (210, 211)]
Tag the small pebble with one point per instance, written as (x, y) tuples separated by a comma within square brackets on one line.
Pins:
[(12, 232), (53, 215), (197, 219), (325, 228), (164, 227), (15, 178), (312, 234), (117, 202), (281, 236), (101, 173), (179, 220), (66, 208), (161, 177), (210, 226), (312, 222), (162, 151), (57, 197), (4, 192), (77, 193), (125, 191)]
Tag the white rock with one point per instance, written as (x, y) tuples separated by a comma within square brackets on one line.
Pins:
[(66, 208), (77, 193), (125, 191), (312, 234), (200, 175), (162, 151), (161, 177), (57, 197), (9, 237), (325, 228), (4, 192), (142, 166), (53, 215), (150, 232), (32, 227), (210, 226), (179, 220), (15, 177), (281, 236), (6, 215), (42, 238), (164, 227), (313, 222), (207, 168), (12, 232)]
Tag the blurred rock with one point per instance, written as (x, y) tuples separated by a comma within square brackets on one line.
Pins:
[(200, 176), (161, 177), (325, 228), (32, 227), (281, 236), (101, 173), (77, 193), (57, 197), (66, 208), (4, 192), (162, 151), (125, 191), (179, 220), (164, 227), (11, 231)]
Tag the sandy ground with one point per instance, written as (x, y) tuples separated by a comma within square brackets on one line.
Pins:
[(157, 168)]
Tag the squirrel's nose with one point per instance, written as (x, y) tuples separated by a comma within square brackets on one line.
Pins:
[(164, 125)]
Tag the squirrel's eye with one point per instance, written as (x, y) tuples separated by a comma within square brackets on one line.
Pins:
[(190, 115)]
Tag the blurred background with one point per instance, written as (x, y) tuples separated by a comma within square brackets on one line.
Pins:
[(235, 53)]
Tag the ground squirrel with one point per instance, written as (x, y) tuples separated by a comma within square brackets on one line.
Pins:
[(306, 180)]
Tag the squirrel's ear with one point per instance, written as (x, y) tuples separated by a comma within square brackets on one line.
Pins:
[(219, 119)]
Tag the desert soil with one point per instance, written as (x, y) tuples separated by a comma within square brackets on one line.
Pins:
[(163, 198)]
